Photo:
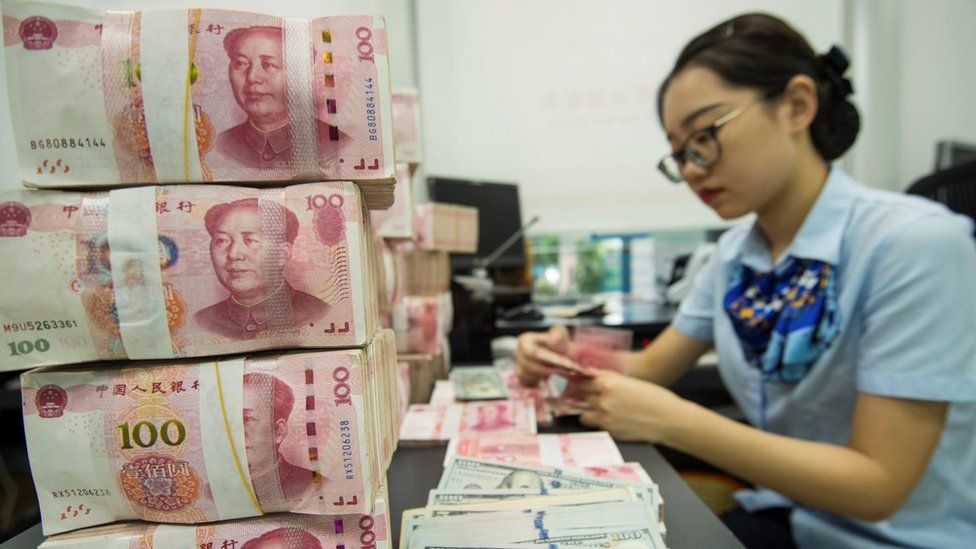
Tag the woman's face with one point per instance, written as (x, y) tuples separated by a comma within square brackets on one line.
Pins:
[(757, 155)]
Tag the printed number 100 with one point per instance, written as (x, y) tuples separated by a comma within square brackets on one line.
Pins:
[(144, 434), (25, 347)]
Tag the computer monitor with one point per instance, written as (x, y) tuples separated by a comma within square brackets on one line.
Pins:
[(499, 217), (953, 153)]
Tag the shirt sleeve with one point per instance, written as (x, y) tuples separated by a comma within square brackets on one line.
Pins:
[(695, 315), (919, 337)]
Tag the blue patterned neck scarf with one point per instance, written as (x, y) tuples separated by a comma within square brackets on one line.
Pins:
[(785, 320)]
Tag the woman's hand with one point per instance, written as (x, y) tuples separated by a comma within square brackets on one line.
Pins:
[(631, 409), (529, 367)]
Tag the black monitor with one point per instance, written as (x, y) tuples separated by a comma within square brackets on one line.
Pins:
[(953, 153), (499, 217)]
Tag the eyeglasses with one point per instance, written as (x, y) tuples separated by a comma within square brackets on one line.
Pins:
[(701, 148)]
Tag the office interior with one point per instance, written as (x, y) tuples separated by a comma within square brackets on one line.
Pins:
[(542, 114)]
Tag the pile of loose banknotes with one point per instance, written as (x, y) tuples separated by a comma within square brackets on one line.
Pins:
[(504, 485), (191, 278), (538, 490)]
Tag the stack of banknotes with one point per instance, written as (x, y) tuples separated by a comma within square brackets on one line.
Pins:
[(268, 532), (406, 117), (425, 371), (208, 353), (484, 401), (488, 503), (198, 96), (184, 442), (396, 222), (404, 388), (436, 425), (422, 322), (446, 227), (583, 450), (183, 271), (489, 383), (423, 272)]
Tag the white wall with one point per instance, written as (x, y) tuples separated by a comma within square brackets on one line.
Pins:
[(559, 96), (916, 84), (397, 13), (938, 82)]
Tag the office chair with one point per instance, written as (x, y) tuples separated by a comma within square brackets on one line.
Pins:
[(954, 187)]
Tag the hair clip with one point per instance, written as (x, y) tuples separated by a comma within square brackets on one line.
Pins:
[(835, 64), (837, 59)]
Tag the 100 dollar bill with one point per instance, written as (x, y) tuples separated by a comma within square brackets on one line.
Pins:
[(181, 442), (167, 96), (180, 271)]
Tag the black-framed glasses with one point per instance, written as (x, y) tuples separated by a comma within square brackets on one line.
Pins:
[(701, 148)]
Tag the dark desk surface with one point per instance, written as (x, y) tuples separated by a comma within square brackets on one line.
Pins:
[(623, 312)]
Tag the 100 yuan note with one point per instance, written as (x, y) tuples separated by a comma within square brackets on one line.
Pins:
[(424, 423), (268, 532), (167, 96), (180, 271), (184, 442), (549, 450), (472, 473)]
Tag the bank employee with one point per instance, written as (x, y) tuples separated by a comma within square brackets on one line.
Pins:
[(842, 316)]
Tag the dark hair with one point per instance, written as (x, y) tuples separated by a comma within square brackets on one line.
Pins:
[(274, 211), (763, 52)]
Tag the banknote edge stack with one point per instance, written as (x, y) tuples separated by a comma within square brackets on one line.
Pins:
[(367, 189)]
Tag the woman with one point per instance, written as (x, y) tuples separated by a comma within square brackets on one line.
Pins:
[(842, 316)]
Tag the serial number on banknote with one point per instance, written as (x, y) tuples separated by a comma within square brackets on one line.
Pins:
[(81, 492), (370, 110), (67, 143), (38, 325), (345, 437)]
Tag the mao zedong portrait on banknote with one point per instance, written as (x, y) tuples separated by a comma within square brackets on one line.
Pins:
[(264, 434), (491, 416), (249, 259), (284, 538), (257, 78)]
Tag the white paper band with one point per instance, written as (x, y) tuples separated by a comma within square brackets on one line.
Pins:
[(174, 536), (550, 452), (303, 129), (222, 432), (136, 275), (165, 67)]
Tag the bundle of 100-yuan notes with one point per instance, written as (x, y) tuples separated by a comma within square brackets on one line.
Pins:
[(307, 432), (182, 271), (202, 95)]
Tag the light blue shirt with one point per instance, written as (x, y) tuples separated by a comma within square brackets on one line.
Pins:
[(906, 279)]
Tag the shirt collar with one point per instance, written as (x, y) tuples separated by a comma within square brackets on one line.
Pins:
[(256, 314), (278, 139), (820, 236)]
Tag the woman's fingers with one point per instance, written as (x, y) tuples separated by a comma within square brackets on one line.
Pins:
[(529, 369), (557, 339)]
